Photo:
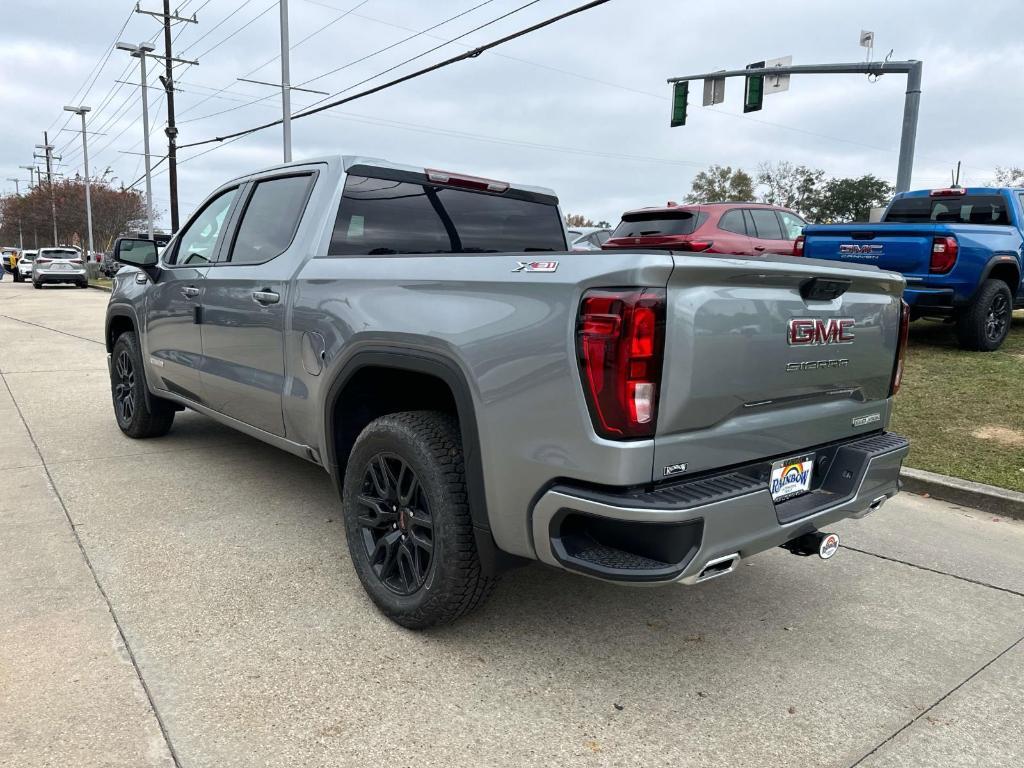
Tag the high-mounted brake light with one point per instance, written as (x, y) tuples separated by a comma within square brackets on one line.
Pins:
[(901, 348), (798, 246), (620, 344), (468, 182), (948, 192), (944, 253)]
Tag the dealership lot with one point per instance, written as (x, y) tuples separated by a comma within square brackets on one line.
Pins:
[(189, 600)]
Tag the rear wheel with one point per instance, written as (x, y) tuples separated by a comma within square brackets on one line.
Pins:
[(407, 520), (984, 324), (36, 284), (137, 415)]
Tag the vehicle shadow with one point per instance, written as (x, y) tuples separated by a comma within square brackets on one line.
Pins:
[(939, 334)]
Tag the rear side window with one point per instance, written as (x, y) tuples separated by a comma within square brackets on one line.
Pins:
[(653, 223), (732, 221), (270, 219), (965, 209), (767, 224), (381, 217)]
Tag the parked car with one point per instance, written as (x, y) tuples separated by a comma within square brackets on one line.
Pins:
[(482, 397), (740, 229), (959, 249), (23, 271), (588, 238), (59, 265)]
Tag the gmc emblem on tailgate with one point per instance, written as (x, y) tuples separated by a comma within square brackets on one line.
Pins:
[(810, 330)]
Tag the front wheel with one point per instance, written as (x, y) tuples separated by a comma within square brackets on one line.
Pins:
[(137, 416), (984, 324), (407, 520)]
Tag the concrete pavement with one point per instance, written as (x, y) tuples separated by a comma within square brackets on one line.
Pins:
[(190, 600)]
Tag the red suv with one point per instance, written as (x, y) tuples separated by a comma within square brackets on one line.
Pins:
[(742, 229)]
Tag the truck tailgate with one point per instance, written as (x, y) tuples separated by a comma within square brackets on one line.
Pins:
[(734, 387), (900, 247)]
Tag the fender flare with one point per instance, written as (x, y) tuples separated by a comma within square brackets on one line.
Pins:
[(997, 260), (493, 560)]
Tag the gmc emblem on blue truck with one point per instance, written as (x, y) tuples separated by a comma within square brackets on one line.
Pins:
[(810, 330), (861, 249)]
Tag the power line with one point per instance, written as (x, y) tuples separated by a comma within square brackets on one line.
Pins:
[(215, 27), (338, 69), (418, 73)]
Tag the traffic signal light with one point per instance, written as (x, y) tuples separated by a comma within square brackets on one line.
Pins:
[(753, 91), (680, 93)]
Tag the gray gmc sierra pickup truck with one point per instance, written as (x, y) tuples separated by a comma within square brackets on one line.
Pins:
[(482, 397)]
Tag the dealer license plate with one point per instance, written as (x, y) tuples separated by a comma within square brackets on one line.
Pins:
[(62, 266), (791, 477)]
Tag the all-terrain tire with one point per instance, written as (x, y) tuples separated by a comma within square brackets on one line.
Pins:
[(983, 325), (138, 416), (428, 444)]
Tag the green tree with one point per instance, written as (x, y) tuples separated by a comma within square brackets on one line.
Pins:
[(578, 220), (720, 183), (849, 199), (796, 187)]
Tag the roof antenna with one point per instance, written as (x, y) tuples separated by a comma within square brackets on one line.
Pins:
[(955, 177)]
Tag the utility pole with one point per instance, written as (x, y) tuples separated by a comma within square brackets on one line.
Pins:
[(167, 79), (80, 111), (911, 104), (31, 174), (286, 96), (140, 52), (17, 193), (47, 147)]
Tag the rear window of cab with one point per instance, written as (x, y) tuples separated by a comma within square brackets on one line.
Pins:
[(965, 209)]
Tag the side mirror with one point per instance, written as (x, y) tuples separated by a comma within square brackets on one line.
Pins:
[(136, 252)]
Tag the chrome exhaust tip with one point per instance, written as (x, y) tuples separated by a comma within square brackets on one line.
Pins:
[(718, 567)]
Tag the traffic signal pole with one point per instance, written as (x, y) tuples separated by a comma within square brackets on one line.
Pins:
[(911, 104)]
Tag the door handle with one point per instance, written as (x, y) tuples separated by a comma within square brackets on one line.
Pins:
[(759, 248), (189, 291), (265, 297)]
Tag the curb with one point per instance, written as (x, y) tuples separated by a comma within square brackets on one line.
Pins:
[(988, 498), (100, 288)]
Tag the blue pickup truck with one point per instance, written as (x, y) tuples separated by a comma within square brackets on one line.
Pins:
[(960, 250)]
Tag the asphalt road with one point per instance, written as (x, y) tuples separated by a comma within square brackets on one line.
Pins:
[(189, 601)]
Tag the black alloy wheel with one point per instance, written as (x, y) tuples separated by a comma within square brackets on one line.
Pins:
[(124, 389), (395, 524), (997, 318)]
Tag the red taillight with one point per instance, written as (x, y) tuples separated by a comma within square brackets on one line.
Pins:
[(692, 245), (901, 348), (944, 251), (76, 261), (798, 246), (43, 261), (620, 342)]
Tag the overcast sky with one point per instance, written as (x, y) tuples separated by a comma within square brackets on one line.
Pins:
[(581, 107)]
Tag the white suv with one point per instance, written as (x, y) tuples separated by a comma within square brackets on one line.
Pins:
[(59, 265), (23, 270)]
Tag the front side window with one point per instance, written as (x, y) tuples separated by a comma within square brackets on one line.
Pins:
[(198, 242), (380, 217), (766, 224), (270, 219), (792, 225)]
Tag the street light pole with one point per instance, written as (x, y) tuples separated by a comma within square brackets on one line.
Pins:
[(140, 51), (17, 192), (80, 111)]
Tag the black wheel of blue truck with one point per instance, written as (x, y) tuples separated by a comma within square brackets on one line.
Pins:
[(137, 416), (407, 520), (984, 324)]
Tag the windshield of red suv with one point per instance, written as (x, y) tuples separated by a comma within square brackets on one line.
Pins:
[(653, 223)]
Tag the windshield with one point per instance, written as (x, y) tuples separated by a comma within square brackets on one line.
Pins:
[(647, 224), (965, 209), (60, 253), (381, 217)]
